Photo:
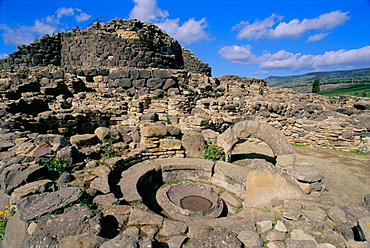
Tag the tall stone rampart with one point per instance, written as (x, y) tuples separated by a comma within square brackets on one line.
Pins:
[(118, 43)]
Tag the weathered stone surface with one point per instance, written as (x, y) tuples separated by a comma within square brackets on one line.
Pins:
[(85, 240), (275, 236), (153, 131), (230, 176), (345, 230), (250, 239), (176, 241), (128, 184), (185, 168), (31, 188), (15, 232), (172, 228), (81, 140), (365, 202), (69, 155), (193, 143), (170, 144), (35, 206), (105, 200), (150, 231), (215, 239), (364, 225), (305, 174), (74, 221), (55, 140), (337, 215), (292, 243), (140, 217), (298, 234), (101, 132), (17, 175), (264, 226), (314, 215), (101, 184), (265, 182)]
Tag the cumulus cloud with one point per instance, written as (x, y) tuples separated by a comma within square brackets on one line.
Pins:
[(287, 61), (21, 34), (147, 10), (274, 28), (188, 32), (316, 37), (238, 54), (261, 73), (258, 29)]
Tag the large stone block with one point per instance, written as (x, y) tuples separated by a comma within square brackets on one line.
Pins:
[(193, 142), (153, 131), (265, 182), (231, 177)]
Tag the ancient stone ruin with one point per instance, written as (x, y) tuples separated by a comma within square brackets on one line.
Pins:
[(103, 135)]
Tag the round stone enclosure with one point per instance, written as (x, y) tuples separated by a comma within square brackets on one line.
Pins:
[(188, 200)]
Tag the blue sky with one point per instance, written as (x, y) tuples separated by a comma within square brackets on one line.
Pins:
[(249, 38)]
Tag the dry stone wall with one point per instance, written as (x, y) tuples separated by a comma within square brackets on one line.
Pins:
[(43, 51), (118, 43)]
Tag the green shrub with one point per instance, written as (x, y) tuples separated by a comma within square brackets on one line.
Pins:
[(4, 217), (213, 151), (55, 165), (107, 149), (167, 120)]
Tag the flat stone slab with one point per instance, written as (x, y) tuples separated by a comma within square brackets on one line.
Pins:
[(305, 174), (35, 206), (131, 177), (140, 217)]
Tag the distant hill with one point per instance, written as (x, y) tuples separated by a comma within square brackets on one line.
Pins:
[(331, 77)]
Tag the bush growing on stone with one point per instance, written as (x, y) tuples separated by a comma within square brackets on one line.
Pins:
[(55, 166), (213, 151), (107, 149)]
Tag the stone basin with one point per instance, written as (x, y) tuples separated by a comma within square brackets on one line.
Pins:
[(187, 200)]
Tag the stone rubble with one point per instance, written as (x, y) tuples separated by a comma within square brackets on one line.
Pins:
[(121, 109)]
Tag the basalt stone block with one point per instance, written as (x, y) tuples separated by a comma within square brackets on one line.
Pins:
[(76, 220), (138, 83), (34, 206), (155, 83), (18, 175)]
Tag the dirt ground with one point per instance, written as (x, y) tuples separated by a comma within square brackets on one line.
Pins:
[(347, 175)]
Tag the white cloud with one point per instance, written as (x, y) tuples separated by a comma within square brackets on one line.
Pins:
[(258, 29), (147, 10), (317, 37), (238, 54), (21, 34), (188, 32), (82, 17), (286, 61), (2, 55), (261, 73), (63, 11), (272, 27)]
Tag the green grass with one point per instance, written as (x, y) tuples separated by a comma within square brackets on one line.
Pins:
[(359, 152), (355, 90), (299, 145)]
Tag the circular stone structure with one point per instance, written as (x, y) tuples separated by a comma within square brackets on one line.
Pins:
[(187, 200)]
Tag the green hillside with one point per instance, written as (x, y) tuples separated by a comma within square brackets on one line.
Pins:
[(333, 77)]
